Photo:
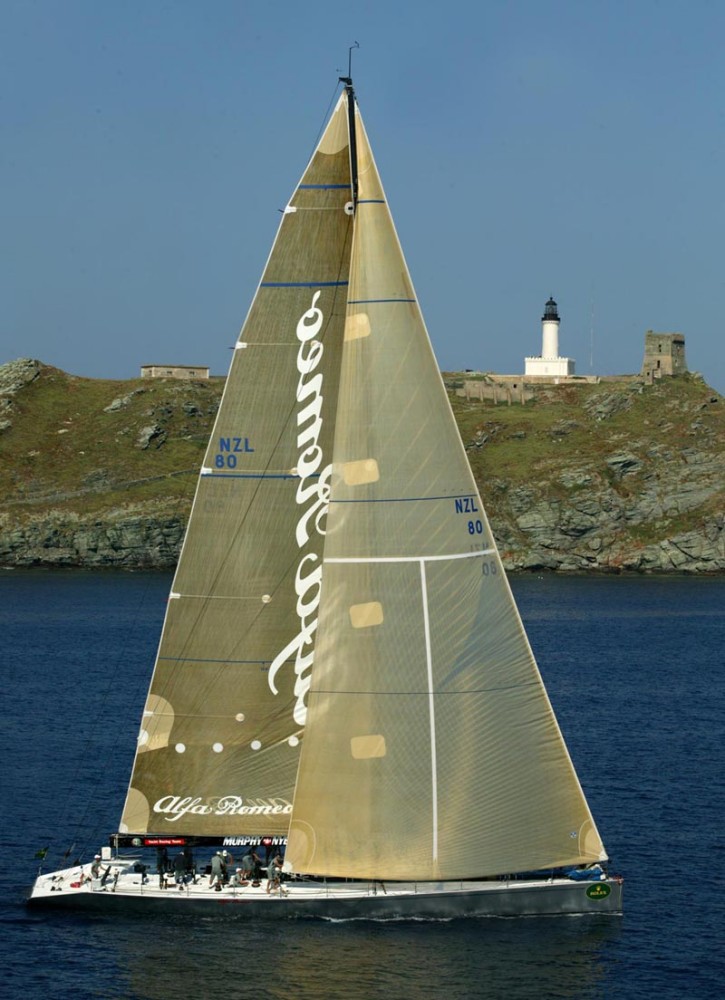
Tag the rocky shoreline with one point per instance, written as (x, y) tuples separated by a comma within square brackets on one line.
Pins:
[(142, 541), (649, 501)]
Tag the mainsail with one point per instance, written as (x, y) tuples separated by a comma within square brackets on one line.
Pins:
[(431, 750), (219, 741)]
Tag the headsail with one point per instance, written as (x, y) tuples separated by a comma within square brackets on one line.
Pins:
[(219, 741), (431, 749)]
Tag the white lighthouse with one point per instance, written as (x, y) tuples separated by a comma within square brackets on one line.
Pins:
[(549, 364)]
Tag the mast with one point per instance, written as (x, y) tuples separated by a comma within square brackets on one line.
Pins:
[(350, 92)]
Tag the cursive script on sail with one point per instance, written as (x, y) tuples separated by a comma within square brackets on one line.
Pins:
[(173, 807), (313, 494)]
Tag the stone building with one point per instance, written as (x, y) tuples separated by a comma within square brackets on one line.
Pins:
[(174, 371), (664, 354)]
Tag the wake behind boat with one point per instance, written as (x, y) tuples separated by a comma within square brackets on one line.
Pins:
[(342, 668)]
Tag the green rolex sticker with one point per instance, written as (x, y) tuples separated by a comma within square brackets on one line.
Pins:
[(600, 890)]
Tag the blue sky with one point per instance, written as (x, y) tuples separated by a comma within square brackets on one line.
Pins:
[(528, 149)]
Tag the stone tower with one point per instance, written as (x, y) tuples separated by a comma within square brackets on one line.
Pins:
[(664, 354)]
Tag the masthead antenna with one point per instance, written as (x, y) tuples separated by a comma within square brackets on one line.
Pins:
[(347, 80)]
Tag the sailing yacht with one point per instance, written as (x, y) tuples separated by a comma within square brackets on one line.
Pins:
[(343, 674)]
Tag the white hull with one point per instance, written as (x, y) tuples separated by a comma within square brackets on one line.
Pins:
[(331, 900)]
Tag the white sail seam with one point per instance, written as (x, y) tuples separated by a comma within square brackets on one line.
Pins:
[(431, 710), (405, 559)]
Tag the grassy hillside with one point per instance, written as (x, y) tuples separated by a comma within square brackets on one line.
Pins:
[(88, 445), (573, 439), (605, 476)]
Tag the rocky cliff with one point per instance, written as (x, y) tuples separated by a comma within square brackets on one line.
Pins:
[(610, 477)]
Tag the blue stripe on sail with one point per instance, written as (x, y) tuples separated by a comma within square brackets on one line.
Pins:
[(253, 475), (461, 496), (367, 302), (303, 284), (371, 201)]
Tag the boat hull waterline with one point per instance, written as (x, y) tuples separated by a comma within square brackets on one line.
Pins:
[(342, 900)]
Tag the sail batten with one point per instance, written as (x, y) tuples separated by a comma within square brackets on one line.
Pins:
[(361, 560), (216, 597), (197, 659)]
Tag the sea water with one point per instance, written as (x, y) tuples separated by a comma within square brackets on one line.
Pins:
[(635, 671)]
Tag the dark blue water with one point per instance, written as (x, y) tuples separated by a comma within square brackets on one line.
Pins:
[(635, 669)]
